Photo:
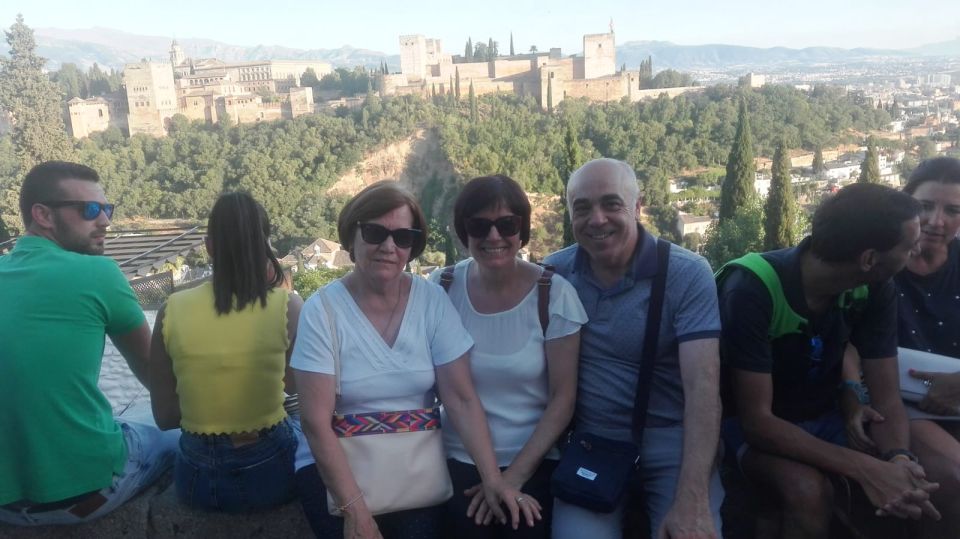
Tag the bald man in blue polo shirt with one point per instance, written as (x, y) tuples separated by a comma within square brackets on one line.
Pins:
[(612, 266)]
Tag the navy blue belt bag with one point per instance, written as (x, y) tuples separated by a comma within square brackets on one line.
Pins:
[(594, 471)]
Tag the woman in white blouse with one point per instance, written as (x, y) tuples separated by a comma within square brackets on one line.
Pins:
[(398, 336), (525, 374)]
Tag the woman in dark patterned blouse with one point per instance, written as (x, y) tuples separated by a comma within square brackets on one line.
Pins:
[(929, 320)]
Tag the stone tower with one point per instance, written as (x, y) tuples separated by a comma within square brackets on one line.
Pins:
[(151, 97), (599, 55), (413, 57), (176, 54)]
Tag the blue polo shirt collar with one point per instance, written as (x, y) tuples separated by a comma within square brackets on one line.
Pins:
[(643, 266)]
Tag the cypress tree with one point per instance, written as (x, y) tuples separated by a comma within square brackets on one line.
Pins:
[(737, 189), (870, 167), (572, 159), (511, 44), (468, 50), (818, 166), (34, 101), (491, 49), (474, 115), (780, 209), (457, 85)]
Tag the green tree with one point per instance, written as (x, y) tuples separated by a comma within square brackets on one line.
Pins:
[(669, 78), (307, 282), (33, 99), (926, 149), (468, 50), (474, 115), (737, 189), (480, 52), (870, 167), (818, 166), (735, 237), (907, 166), (511, 45), (72, 81), (457, 85), (780, 209), (572, 159)]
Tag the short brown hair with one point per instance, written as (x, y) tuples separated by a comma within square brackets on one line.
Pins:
[(42, 184), (487, 192), (377, 200)]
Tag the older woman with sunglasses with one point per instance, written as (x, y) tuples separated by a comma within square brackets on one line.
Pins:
[(397, 337), (524, 363)]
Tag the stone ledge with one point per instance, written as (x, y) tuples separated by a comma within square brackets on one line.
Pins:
[(156, 513)]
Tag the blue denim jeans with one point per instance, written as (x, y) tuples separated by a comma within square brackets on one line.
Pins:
[(150, 452), (211, 473)]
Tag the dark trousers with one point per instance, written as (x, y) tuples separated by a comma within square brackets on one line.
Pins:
[(464, 476), (412, 524)]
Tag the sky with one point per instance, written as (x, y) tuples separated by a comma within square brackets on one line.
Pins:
[(376, 24)]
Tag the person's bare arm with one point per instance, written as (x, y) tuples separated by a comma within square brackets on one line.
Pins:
[(134, 346), (894, 488), (463, 406), (317, 402), (563, 355), (690, 514), (294, 305), (163, 383)]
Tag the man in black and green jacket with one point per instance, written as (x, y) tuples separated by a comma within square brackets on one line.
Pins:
[(787, 316)]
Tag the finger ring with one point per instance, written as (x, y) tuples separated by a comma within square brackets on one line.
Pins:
[(927, 383), (519, 499)]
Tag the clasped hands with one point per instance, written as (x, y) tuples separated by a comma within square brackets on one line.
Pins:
[(487, 503)]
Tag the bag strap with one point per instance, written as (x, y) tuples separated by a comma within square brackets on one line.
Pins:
[(446, 278), (543, 292), (334, 339), (543, 297), (650, 340)]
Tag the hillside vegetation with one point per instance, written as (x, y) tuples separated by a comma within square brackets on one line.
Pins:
[(303, 170)]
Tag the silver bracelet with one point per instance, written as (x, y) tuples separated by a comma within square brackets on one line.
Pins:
[(342, 508)]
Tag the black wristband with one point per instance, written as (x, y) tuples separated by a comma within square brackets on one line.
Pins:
[(889, 455)]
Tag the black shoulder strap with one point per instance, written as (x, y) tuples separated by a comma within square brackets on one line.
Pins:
[(543, 297), (543, 292), (650, 340), (446, 278)]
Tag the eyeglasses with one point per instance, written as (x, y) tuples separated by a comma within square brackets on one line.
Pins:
[(375, 234), (508, 225), (90, 210)]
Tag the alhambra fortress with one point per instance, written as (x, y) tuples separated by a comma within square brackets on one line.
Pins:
[(215, 91)]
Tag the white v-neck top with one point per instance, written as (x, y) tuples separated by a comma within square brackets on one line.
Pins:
[(375, 377)]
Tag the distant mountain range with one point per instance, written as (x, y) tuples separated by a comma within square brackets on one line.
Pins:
[(685, 57), (114, 48)]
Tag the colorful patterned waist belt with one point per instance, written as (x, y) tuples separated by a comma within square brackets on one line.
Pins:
[(386, 422)]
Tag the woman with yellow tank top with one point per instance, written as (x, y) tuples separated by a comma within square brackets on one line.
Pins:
[(217, 368)]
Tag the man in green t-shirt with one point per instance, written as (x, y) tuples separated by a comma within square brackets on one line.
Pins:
[(63, 457)]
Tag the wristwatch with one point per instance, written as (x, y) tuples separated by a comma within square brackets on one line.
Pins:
[(894, 453), (858, 389)]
